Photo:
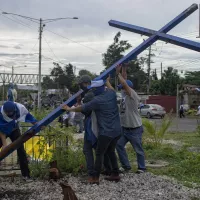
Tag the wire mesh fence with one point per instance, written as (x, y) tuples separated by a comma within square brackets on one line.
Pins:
[(36, 149)]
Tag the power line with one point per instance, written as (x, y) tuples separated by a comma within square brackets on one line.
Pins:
[(51, 50), (74, 41), (28, 26)]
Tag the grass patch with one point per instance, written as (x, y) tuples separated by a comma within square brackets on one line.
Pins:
[(188, 138), (184, 166)]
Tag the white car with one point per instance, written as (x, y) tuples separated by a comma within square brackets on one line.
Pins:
[(152, 110)]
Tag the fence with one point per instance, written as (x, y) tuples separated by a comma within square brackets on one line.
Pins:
[(35, 148)]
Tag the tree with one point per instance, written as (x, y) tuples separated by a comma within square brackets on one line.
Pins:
[(135, 70), (168, 84), (115, 51), (48, 83), (86, 72), (137, 75), (192, 78), (63, 77)]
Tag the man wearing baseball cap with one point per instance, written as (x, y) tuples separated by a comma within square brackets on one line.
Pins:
[(131, 123), (84, 82), (104, 104)]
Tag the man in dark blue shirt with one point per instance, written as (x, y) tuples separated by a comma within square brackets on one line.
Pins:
[(104, 104)]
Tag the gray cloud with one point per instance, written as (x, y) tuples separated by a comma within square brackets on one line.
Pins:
[(4, 46), (91, 30)]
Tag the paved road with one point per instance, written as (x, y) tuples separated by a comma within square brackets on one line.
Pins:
[(181, 125)]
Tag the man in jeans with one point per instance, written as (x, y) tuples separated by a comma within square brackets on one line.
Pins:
[(131, 123), (104, 104)]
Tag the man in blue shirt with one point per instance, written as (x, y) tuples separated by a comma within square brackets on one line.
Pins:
[(10, 114), (104, 104)]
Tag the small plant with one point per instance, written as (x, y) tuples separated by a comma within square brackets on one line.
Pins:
[(64, 148), (39, 168), (191, 112), (155, 133), (40, 114)]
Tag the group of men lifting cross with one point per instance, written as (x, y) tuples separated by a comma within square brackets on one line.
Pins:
[(106, 127)]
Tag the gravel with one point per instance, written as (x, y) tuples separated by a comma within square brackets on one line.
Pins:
[(132, 187)]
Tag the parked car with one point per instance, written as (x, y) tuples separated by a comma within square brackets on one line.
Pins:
[(152, 110)]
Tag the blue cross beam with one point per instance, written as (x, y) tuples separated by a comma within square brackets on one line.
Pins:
[(154, 36), (161, 36)]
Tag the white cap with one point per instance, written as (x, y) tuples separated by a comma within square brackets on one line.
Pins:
[(95, 84)]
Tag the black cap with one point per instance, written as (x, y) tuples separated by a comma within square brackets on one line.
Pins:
[(84, 79)]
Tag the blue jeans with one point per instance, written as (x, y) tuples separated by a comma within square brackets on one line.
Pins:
[(134, 136)]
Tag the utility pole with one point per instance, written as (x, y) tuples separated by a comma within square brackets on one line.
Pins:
[(177, 100), (149, 70), (40, 61), (40, 44), (199, 22), (161, 69), (74, 70)]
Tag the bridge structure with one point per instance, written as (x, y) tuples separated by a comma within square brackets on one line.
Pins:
[(19, 78), (153, 37)]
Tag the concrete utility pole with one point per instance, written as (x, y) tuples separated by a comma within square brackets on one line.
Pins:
[(41, 25), (161, 69), (40, 62), (149, 70)]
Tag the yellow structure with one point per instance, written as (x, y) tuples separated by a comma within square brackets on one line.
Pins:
[(37, 148)]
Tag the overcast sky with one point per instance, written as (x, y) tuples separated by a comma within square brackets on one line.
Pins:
[(82, 42)]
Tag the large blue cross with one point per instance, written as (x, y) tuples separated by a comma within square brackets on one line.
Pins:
[(154, 36)]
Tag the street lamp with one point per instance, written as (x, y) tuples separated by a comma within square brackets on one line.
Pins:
[(41, 26)]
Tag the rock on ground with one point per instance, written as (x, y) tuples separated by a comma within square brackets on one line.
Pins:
[(132, 187)]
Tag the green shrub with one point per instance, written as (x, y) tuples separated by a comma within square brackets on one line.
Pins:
[(66, 150), (155, 133), (191, 112), (40, 114)]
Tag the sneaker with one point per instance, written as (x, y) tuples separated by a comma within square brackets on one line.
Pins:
[(124, 170), (140, 171), (27, 179)]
